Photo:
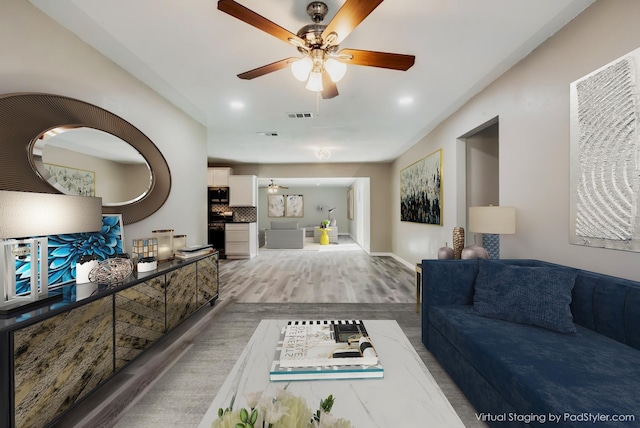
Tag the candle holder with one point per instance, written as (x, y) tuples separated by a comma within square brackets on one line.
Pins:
[(165, 244), (145, 252), (179, 242), (32, 251)]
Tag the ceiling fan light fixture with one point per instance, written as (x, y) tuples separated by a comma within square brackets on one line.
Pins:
[(301, 68), (336, 69), (318, 42), (323, 153), (315, 81)]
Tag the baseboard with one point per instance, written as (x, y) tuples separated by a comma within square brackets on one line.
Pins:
[(411, 266)]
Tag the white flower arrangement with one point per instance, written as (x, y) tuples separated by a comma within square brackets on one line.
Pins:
[(284, 410)]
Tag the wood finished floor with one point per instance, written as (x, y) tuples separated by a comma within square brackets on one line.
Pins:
[(339, 273)]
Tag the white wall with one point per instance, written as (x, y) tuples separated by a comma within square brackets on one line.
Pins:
[(361, 213), (532, 103), (38, 55)]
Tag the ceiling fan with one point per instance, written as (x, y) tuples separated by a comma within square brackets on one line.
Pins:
[(323, 63), (273, 188)]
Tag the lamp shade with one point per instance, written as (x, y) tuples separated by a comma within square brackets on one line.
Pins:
[(492, 219), (301, 68), (25, 214), (315, 81), (336, 69)]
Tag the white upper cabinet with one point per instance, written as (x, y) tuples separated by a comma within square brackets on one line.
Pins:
[(243, 191), (218, 177)]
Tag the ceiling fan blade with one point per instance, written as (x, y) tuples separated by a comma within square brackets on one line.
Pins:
[(250, 17), (266, 69), (352, 13), (377, 59), (329, 88)]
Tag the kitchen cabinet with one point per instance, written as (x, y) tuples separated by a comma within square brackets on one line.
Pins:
[(218, 177), (243, 191), (241, 240)]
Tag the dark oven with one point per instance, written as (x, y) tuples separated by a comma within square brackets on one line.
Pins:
[(216, 237)]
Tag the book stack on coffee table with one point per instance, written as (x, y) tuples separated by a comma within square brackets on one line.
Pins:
[(325, 349)]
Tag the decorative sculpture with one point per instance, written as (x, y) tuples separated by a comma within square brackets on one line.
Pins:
[(111, 271), (458, 242), (445, 252)]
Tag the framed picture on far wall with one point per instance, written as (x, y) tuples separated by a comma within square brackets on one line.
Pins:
[(275, 205), (294, 206), (76, 181), (421, 190)]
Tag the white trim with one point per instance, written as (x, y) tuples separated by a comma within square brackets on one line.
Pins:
[(411, 266)]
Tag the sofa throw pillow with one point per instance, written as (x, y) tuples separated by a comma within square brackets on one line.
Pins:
[(539, 296)]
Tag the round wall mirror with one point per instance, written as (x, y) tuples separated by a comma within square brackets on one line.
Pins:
[(26, 118), (89, 162)]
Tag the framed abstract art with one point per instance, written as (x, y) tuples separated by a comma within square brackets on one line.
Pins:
[(605, 156), (294, 206), (421, 190), (275, 205)]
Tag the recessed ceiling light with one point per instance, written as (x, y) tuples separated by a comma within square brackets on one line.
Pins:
[(405, 101), (237, 105)]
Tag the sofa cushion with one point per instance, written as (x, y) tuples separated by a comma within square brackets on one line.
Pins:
[(540, 371), (280, 225), (538, 296)]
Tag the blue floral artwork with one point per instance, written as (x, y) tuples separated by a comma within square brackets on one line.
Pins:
[(65, 250)]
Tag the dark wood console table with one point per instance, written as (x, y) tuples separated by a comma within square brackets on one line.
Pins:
[(55, 355)]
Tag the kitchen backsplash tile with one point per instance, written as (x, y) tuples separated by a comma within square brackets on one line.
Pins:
[(240, 214), (245, 214)]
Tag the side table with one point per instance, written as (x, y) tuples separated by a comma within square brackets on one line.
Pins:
[(324, 238)]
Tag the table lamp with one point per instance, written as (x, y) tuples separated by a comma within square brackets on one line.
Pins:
[(332, 219), (26, 219), (492, 221)]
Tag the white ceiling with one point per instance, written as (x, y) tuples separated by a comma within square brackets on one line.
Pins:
[(190, 53)]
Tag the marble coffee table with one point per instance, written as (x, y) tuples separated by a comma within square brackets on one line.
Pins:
[(407, 396)]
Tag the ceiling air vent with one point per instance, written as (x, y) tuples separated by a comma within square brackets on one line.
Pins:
[(267, 133), (302, 115)]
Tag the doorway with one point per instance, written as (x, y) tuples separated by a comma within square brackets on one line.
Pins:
[(482, 169)]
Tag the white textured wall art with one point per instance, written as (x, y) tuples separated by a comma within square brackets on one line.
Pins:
[(605, 163)]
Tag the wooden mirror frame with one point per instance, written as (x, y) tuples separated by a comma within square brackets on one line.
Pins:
[(26, 116)]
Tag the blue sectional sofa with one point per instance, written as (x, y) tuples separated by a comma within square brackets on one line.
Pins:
[(532, 343)]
